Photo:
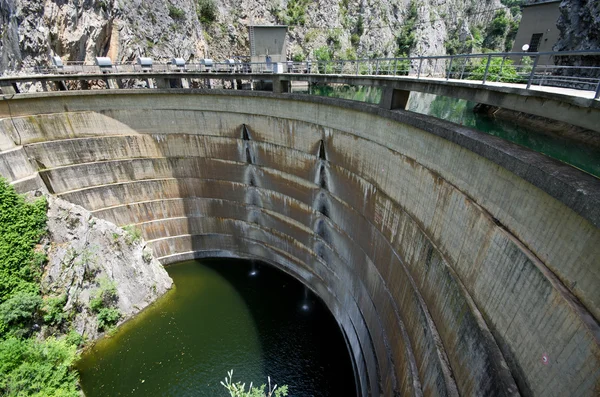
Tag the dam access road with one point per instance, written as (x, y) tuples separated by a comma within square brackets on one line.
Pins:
[(455, 263)]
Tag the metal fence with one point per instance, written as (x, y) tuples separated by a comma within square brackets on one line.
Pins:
[(569, 69)]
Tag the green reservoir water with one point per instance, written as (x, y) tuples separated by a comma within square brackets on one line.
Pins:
[(220, 317), (460, 111)]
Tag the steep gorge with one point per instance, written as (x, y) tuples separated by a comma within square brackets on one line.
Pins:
[(125, 29)]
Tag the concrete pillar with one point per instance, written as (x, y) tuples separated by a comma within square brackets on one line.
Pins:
[(392, 98), (162, 83), (61, 86), (280, 86), (9, 88)]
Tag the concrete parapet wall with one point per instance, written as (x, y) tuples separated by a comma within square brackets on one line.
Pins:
[(453, 261)]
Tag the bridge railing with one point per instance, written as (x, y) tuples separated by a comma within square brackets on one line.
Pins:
[(570, 69), (577, 70)]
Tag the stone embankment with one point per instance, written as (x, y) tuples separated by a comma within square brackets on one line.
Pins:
[(455, 263)]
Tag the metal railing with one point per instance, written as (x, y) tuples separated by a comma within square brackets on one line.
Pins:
[(578, 70)]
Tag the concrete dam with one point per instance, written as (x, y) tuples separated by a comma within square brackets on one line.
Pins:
[(454, 262)]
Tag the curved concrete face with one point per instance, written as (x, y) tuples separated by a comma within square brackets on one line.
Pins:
[(454, 262)]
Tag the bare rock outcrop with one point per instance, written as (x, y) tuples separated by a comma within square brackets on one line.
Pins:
[(579, 25), (76, 30), (85, 254)]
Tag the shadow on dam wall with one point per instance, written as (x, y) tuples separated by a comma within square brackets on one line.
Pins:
[(454, 262)]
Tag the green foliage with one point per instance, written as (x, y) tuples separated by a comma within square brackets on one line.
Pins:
[(334, 38), (238, 389), (298, 56), (29, 367), (21, 226), (104, 296), (207, 11), (497, 71), (406, 39), (132, 235), (53, 310), (514, 5), (295, 13), (324, 54), (102, 302), (350, 54), (75, 339), (103, 4), (496, 31), (176, 13), (403, 67), (17, 313), (510, 35), (107, 317), (360, 25)]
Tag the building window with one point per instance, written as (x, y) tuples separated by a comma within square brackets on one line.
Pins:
[(534, 44)]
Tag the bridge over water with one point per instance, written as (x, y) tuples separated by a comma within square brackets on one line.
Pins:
[(455, 262)]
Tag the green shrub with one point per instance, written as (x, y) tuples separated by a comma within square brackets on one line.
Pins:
[(53, 310), (406, 38), (102, 302), (104, 296), (238, 389), (107, 317), (29, 367), (207, 11), (176, 13), (17, 313), (334, 38), (496, 31), (350, 54), (295, 13), (497, 71), (21, 226), (360, 26), (298, 57), (132, 235), (324, 54)]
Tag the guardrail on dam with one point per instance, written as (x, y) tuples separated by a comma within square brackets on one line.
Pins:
[(455, 263)]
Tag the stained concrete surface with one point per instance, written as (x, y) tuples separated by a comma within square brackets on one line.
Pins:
[(453, 261)]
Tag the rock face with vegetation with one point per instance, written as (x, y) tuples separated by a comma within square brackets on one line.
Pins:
[(85, 277), (103, 273), (34, 30)]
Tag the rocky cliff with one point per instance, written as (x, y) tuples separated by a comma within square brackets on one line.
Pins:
[(79, 30), (579, 25), (95, 265)]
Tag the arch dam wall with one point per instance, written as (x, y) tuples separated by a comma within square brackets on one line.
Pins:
[(454, 262)]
